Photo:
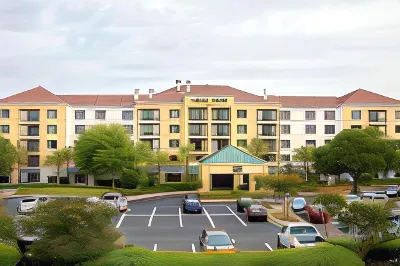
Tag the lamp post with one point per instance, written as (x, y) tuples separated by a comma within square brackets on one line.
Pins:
[(286, 206)]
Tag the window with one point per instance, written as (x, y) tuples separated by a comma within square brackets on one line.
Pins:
[(173, 177), (217, 144), (128, 129), (199, 157), (377, 116), (271, 143), (310, 115), (173, 113), (220, 130), (79, 129), (241, 113), (284, 115), (397, 129), (173, 158), (329, 115), (174, 129), (5, 113), (32, 131), (285, 157), (327, 141), (80, 114), (311, 129), (52, 144), (51, 129), (33, 177), (272, 170), (266, 115), (266, 130), (329, 129), (153, 143), (33, 160), (197, 114), (311, 143), (51, 114), (397, 115), (149, 130), (356, 126), (242, 143), (100, 114), (220, 114), (153, 115), (356, 114), (242, 129), (199, 144), (197, 130), (174, 143), (285, 129), (29, 115), (80, 179), (127, 115), (32, 145), (5, 129), (285, 144)]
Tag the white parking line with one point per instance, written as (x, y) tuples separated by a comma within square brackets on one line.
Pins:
[(221, 214), (268, 246), (180, 218), (152, 215), (120, 220), (240, 220), (155, 247), (209, 218), (216, 205), (193, 248)]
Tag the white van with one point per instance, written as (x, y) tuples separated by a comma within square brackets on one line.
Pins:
[(375, 198)]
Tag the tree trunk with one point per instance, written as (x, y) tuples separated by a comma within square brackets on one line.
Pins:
[(187, 169), (58, 175), (159, 173), (68, 171), (19, 175), (306, 171), (113, 182), (355, 184)]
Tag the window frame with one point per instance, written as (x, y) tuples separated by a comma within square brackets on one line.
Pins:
[(353, 112), (285, 141), (377, 116), (397, 115), (287, 156), (51, 141), (282, 117), (397, 129), (76, 126), (52, 110), (309, 112), (125, 112), (243, 140), (219, 117), (245, 129), (129, 132), (174, 110), (329, 112), (171, 131), (356, 127), (5, 110), (97, 114), (172, 141), (2, 131), (33, 156), (80, 111), (310, 126), (48, 127), (329, 126), (313, 140), (267, 110), (241, 111), (282, 131)]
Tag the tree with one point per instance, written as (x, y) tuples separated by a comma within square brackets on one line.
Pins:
[(353, 152), (21, 159), (70, 230), (7, 157), (142, 153), (367, 220), (333, 203), (130, 178), (105, 149), (304, 154), (159, 158), (258, 147), (56, 159), (285, 183), (373, 132), (8, 232), (68, 154), (184, 152), (289, 169)]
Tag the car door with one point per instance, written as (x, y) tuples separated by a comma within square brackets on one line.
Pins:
[(284, 236)]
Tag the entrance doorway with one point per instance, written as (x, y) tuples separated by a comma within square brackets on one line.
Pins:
[(222, 181)]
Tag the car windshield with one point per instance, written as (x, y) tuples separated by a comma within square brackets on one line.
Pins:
[(392, 188), (191, 196), (193, 203), (29, 200), (110, 197), (301, 230), (219, 240), (350, 197)]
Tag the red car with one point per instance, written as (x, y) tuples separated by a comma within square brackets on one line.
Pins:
[(316, 217)]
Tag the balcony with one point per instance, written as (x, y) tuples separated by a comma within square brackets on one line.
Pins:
[(26, 131), (150, 116), (149, 131), (29, 116), (200, 145), (197, 131), (266, 130)]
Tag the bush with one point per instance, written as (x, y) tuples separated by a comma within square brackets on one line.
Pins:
[(153, 180), (183, 186), (333, 203), (130, 178), (386, 251), (386, 181), (243, 187), (347, 242), (365, 179), (46, 185), (397, 174)]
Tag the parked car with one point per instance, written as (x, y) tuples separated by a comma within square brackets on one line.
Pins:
[(299, 204), (395, 221), (316, 217), (374, 197), (116, 199), (28, 205), (256, 212), (393, 191), (351, 198), (297, 235), (243, 203), (191, 203), (216, 240)]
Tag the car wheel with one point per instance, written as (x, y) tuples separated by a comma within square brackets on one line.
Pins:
[(278, 244), (200, 211), (237, 207)]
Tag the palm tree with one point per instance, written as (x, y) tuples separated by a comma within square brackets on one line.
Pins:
[(21, 159), (304, 154), (56, 159), (184, 152), (68, 154), (159, 158)]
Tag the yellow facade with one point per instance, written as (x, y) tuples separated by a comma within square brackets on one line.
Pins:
[(387, 125), (17, 128)]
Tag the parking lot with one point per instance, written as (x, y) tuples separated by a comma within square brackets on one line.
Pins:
[(161, 225)]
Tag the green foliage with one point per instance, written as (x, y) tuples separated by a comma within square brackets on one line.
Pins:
[(305, 154), (8, 232), (366, 179), (347, 242), (258, 147), (289, 169), (183, 186), (71, 231), (184, 151), (373, 132), (159, 158), (9, 255), (282, 183), (243, 187), (386, 251), (333, 203), (8, 156), (58, 159), (130, 178), (21, 157), (385, 181), (353, 152)]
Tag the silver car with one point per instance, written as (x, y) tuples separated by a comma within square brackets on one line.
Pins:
[(214, 240), (29, 204), (297, 235)]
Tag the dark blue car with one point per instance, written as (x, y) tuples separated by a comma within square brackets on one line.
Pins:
[(191, 203)]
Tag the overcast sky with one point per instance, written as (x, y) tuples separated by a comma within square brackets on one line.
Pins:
[(289, 47)]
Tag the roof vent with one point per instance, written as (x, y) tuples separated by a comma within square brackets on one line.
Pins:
[(178, 85), (265, 94), (136, 95), (188, 85), (151, 91)]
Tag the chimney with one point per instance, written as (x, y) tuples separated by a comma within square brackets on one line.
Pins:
[(188, 85), (136, 95), (178, 85), (265, 94), (151, 91)]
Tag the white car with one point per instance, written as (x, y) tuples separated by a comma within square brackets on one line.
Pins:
[(216, 240), (297, 235), (393, 191), (351, 198), (369, 197), (117, 200), (28, 205)]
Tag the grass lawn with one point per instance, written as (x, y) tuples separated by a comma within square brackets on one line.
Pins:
[(325, 254), (8, 255), (281, 216), (70, 191)]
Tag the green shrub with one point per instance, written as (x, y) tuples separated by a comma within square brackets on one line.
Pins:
[(386, 251), (183, 186), (46, 185), (366, 179), (397, 174), (343, 182), (130, 178), (347, 242), (386, 181), (243, 187)]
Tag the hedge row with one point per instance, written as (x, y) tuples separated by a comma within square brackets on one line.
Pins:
[(47, 185), (183, 186), (387, 251), (386, 181)]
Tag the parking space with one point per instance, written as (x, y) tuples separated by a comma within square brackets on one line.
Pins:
[(161, 225)]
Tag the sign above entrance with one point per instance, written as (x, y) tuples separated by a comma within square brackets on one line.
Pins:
[(237, 169), (210, 99)]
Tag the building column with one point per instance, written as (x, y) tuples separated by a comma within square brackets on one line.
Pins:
[(252, 183), (236, 181)]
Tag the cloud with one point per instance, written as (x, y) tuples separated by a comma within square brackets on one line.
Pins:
[(289, 47)]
